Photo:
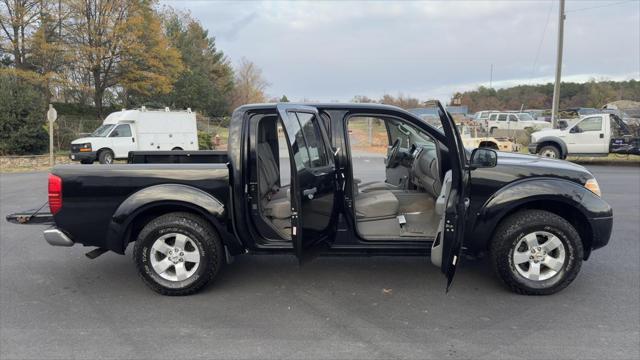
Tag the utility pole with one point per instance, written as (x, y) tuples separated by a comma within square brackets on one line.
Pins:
[(491, 77), (556, 86)]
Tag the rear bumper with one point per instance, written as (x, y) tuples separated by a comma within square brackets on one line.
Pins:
[(56, 237), (80, 156)]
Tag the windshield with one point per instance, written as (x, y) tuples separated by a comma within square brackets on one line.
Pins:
[(525, 117), (102, 131)]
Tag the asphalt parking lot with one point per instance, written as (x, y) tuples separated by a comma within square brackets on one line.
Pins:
[(56, 303)]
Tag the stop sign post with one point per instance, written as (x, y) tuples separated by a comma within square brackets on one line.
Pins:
[(52, 115)]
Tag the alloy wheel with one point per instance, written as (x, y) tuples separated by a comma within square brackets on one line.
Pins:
[(538, 256), (175, 257)]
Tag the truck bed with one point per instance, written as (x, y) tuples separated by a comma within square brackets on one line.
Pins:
[(178, 157), (92, 194)]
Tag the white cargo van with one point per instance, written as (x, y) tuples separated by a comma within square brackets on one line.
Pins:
[(133, 130)]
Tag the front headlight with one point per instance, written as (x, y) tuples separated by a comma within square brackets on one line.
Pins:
[(592, 185), (86, 147)]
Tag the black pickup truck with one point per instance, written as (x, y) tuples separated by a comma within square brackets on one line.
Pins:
[(188, 214)]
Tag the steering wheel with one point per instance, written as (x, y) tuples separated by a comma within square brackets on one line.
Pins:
[(392, 158)]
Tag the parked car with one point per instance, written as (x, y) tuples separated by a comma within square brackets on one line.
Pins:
[(593, 135), (482, 116), (538, 219), (130, 130), (514, 121)]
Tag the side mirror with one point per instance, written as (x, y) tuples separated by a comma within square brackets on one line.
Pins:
[(483, 158)]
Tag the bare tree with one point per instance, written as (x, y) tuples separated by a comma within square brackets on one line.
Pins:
[(250, 86), (18, 21)]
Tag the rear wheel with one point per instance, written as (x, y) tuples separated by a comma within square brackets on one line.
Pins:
[(106, 157), (178, 254), (536, 252), (550, 151)]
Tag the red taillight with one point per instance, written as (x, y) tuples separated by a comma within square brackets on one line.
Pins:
[(55, 193)]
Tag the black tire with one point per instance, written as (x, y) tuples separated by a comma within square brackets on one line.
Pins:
[(86, 162), (203, 236), (550, 151), (513, 229), (176, 149), (105, 157)]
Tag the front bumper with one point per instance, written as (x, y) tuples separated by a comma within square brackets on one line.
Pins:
[(56, 237), (83, 156), (601, 228), (533, 148)]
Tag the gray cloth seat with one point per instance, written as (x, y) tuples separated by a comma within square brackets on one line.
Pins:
[(425, 172), (275, 200), (377, 204)]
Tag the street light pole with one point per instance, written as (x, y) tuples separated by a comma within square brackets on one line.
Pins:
[(556, 87)]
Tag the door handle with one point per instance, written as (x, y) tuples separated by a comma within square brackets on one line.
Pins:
[(133, 139), (309, 192), (601, 136)]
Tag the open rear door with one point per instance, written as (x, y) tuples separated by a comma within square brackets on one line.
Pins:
[(313, 180), (452, 231)]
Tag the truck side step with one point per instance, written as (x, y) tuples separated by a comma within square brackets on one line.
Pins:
[(95, 253)]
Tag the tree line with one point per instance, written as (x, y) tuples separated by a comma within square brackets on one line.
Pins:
[(594, 94)]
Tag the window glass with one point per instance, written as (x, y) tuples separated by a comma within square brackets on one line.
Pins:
[(525, 117), (502, 117), (513, 118), (123, 130), (102, 131), (590, 124), (308, 147), (618, 128), (493, 117)]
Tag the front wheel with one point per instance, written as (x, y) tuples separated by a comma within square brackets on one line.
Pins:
[(549, 151), (178, 254), (106, 157), (536, 252)]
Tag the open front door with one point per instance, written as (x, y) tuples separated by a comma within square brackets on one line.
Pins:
[(313, 180), (452, 229)]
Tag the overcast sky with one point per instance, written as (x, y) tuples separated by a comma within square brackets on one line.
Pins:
[(325, 51)]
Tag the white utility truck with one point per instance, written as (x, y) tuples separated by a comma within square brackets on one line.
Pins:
[(135, 130), (593, 135), (514, 121)]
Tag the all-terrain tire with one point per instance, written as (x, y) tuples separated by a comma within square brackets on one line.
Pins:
[(513, 229), (200, 233)]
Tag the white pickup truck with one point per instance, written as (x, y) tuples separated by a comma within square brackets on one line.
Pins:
[(514, 121), (593, 135)]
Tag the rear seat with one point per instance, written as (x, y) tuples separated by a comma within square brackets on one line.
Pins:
[(276, 201)]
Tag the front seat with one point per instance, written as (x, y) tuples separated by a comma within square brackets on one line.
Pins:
[(425, 172), (375, 205)]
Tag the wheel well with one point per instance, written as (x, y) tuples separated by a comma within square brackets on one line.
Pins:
[(176, 148), (141, 219), (101, 150), (565, 211), (550, 143), (489, 144)]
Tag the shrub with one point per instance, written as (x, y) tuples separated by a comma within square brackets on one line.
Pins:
[(204, 141), (22, 117)]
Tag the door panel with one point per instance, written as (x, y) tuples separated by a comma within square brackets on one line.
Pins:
[(456, 207), (587, 137), (313, 181), (122, 140)]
